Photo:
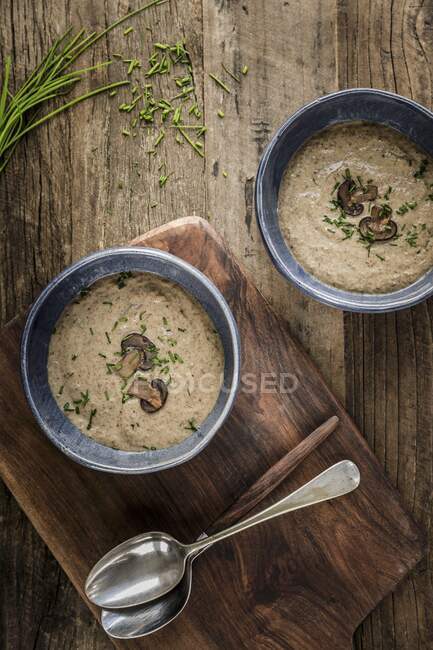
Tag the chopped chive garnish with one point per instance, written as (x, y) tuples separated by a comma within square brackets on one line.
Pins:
[(107, 397), (245, 70), (220, 113), (220, 83), (91, 331), (91, 416), (108, 337), (128, 30), (104, 356), (231, 74)]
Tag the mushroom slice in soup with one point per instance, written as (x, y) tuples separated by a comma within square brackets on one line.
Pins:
[(129, 363), (152, 395), (379, 224), (136, 341), (345, 198)]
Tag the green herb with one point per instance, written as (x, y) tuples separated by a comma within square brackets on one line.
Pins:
[(74, 356), (91, 331), (67, 407), (160, 137), (91, 416), (406, 206), (122, 278), (49, 80), (104, 356), (128, 30), (125, 397), (110, 367), (107, 397), (220, 113), (108, 337), (175, 357), (83, 400), (181, 329), (107, 302), (421, 169), (231, 74), (225, 173), (387, 193), (245, 70), (382, 259), (164, 321), (412, 237), (219, 82), (84, 292), (61, 389), (143, 328), (192, 426), (188, 139)]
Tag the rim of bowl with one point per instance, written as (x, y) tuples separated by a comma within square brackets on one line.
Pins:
[(179, 455), (310, 285)]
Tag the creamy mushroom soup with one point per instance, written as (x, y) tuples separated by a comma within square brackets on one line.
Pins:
[(355, 208), (135, 362)]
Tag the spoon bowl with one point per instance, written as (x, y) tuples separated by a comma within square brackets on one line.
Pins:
[(142, 620), (156, 561)]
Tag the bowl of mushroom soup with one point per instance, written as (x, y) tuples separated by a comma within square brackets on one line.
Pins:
[(344, 197), (130, 360)]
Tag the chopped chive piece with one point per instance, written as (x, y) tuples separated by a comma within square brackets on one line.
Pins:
[(92, 415), (225, 173), (61, 389), (128, 30), (220, 83), (104, 356), (220, 113), (245, 70), (91, 331), (74, 356), (107, 397), (108, 337), (231, 74)]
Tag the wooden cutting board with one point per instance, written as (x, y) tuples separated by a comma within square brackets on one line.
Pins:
[(304, 581)]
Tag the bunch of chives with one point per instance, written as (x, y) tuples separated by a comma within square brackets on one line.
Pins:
[(19, 111)]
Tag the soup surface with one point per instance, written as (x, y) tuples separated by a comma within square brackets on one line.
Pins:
[(355, 208), (135, 362)]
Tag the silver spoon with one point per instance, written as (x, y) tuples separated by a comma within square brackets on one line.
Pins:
[(134, 622), (148, 566)]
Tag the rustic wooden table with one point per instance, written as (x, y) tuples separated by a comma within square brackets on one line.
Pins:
[(77, 185)]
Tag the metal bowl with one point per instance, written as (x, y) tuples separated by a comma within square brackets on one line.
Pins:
[(363, 104), (34, 354)]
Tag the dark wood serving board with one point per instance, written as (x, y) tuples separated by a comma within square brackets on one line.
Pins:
[(304, 581)]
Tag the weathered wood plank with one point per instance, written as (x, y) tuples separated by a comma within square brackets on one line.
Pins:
[(287, 68), (389, 359)]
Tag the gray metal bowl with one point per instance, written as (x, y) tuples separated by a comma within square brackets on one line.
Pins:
[(358, 104), (34, 354)]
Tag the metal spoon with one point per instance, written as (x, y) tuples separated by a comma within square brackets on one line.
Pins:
[(150, 565), (139, 621)]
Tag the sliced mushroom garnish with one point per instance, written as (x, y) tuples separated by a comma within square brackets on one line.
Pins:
[(379, 225), (363, 195), (136, 341), (129, 363), (152, 395), (345, 197)]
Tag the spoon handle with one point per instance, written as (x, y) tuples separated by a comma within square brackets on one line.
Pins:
[(341, 478), (274, 476)]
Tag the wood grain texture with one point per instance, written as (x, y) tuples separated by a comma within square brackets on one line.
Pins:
[(389, 358), (60, 198), (331, 565)]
